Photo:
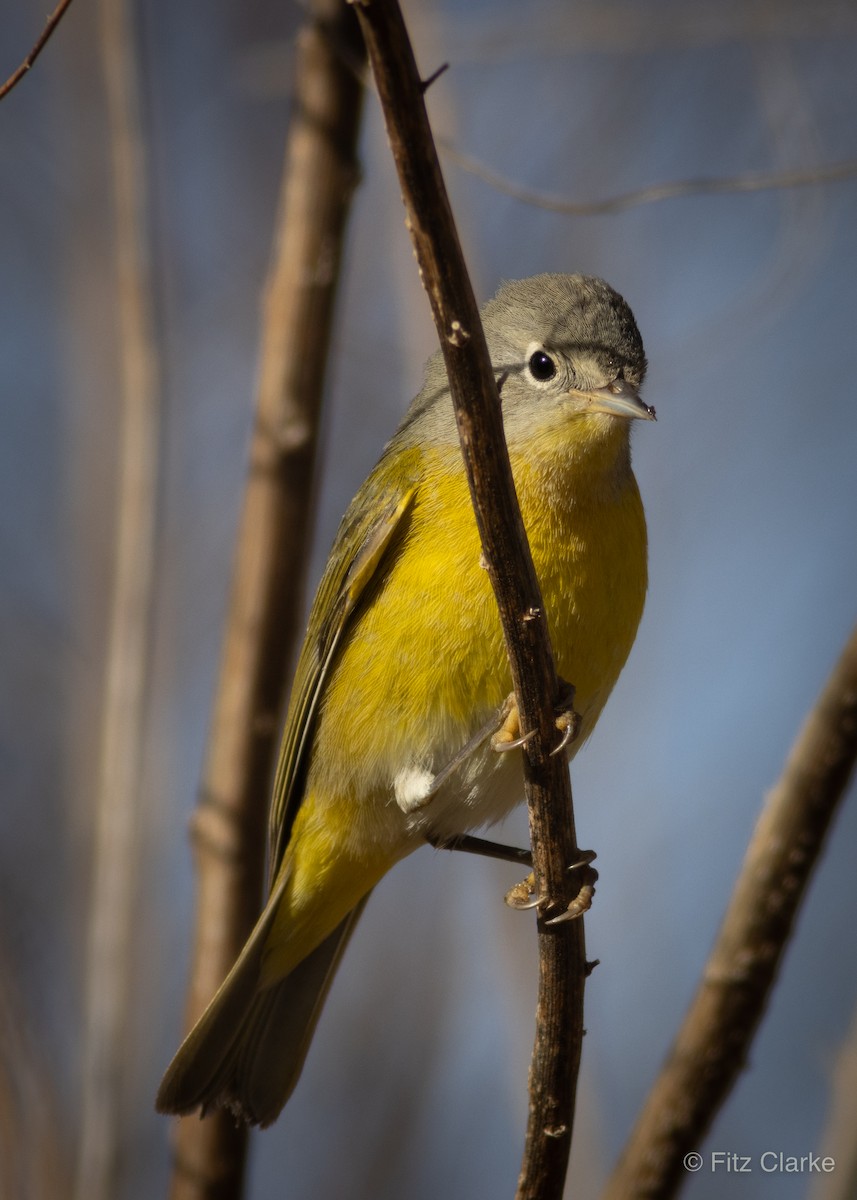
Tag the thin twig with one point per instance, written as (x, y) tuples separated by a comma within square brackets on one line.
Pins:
[(749, 181), (34, 1141), (839, 1138), (319, 178), (117, 802), (752, 181), (51, 24), (712, 1045), (561, 950)]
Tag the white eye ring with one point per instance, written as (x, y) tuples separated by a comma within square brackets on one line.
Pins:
[(542, 367)]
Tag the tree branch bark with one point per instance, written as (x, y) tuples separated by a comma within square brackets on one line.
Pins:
[(712, 1045), (319, 178), (559, 1021)]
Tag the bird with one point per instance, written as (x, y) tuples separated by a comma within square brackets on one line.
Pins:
[(403, 667)]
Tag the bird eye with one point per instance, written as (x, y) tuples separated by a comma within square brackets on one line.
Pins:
[(542, 366)]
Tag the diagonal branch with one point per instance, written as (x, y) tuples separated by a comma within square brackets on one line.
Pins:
[(561, 949), (712, 1045), (42, 41)]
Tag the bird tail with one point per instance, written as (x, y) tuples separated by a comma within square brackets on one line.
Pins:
[(247, 1050)]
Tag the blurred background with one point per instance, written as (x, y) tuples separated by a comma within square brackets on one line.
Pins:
[(416, 1082)]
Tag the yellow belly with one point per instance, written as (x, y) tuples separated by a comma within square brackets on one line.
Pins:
[(424, 666), (425, 663)]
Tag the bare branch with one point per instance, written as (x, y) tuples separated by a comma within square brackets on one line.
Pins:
[(749, 181), (561, 950), (752, 181), (111, 920), (34, 1141), (839, 1139), (319, 178), (712, 1045), (50, 25)]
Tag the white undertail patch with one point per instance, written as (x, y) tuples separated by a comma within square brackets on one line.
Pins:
[(412, 787)]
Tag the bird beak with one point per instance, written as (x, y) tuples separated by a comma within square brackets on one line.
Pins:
[(618, 399)]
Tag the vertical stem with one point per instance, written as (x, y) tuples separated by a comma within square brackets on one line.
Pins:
[(319, 177), (121, 756)]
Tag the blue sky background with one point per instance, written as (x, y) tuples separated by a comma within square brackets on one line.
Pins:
[(416, 1085)]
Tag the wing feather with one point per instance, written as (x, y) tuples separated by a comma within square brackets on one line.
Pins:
[(360, 556)]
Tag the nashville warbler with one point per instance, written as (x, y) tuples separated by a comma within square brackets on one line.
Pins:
[(404, 663)]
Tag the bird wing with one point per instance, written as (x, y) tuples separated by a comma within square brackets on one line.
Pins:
[(359, 555)]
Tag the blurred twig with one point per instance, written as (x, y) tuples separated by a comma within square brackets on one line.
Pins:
[(260, 76), (111, 938), (319, 177), (50, 25), (752, 181), (33, 1150), (839, 1140), (561, 950), (712, 1044)]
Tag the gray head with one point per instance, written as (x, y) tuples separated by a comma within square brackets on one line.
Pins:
[(562, 346), (576, 319)]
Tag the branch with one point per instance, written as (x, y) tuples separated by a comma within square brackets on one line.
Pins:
[(561, 950), (34, 1140), (752, 181), (712, 1045), (749, 181), (839, 1137), (319, 178), (50, 25), (118, 810)]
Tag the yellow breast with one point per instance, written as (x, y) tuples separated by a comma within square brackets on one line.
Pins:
[(423, 666), (425, 662)]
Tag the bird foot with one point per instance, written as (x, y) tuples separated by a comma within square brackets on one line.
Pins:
[(523, 895), (508, 735)]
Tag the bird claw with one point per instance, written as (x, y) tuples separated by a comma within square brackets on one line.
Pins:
[(504, 731), (508, 735), (582, 902), (523, 895), (568, 722)]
